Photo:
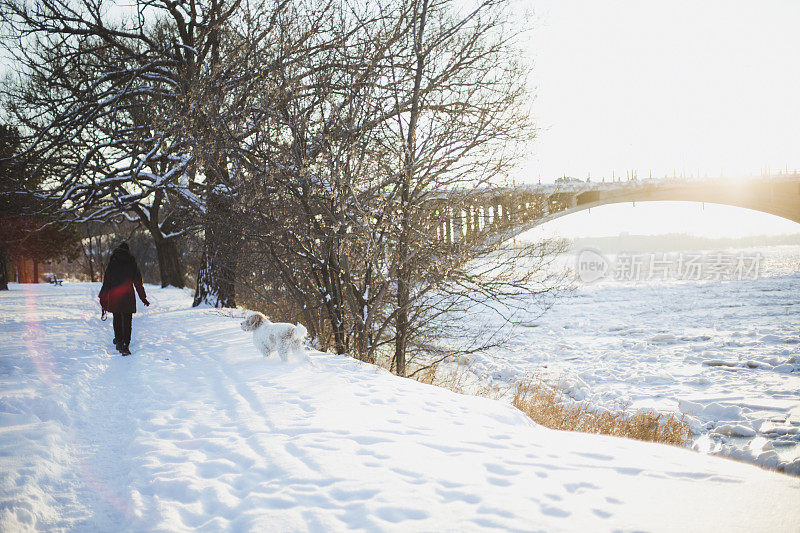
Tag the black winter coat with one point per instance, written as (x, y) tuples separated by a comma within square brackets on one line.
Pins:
[(122, 275)]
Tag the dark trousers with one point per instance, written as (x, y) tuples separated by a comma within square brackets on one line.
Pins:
[(122, 327)]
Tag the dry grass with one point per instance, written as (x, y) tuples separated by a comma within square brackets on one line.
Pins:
[(544, 404), (458, 378)]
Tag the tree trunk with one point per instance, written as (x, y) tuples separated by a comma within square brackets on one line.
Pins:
[(3, 270), (401, 324), (169, 262), (216, 280), (92, 276), (405, 270), (211, 290), (88, 255), (335, 302), (404, 273)]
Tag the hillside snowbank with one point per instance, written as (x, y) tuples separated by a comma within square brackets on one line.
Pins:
[(196, 430)]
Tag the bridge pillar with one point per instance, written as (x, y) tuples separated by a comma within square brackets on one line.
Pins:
[(530, 211), (457, 224)]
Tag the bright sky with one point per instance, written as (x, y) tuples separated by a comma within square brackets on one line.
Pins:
[(682, 86)]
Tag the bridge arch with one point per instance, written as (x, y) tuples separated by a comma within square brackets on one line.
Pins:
[(781, 212), (781, 199), (514, 210)]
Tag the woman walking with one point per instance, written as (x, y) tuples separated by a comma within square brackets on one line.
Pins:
[(116, 295)]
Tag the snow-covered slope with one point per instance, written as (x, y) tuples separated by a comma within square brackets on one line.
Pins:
[(726, 354), (196, 431)]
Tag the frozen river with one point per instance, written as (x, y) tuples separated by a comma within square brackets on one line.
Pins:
[(723, 351)]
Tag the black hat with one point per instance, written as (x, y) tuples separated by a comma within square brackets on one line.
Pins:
[(124, 246)]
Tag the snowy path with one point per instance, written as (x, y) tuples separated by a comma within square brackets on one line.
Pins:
[(196, 431)]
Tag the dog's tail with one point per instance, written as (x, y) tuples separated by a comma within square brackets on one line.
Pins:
[(299, 333)]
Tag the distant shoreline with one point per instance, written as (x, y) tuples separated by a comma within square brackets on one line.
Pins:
[(678, 241)]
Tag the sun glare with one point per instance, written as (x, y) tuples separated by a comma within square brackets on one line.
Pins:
[(669, 88)]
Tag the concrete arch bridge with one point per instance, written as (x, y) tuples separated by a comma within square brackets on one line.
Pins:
[(514, 210)]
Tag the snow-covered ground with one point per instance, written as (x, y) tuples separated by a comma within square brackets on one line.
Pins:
[(196, 431), (724, 353)]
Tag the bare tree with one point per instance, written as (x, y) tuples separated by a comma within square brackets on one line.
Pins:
[(318, 146), (25, 229), (386, 121), (319, 180), (141, 110), (467, 119)]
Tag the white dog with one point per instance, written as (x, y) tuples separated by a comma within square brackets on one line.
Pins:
[(286, 339)]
